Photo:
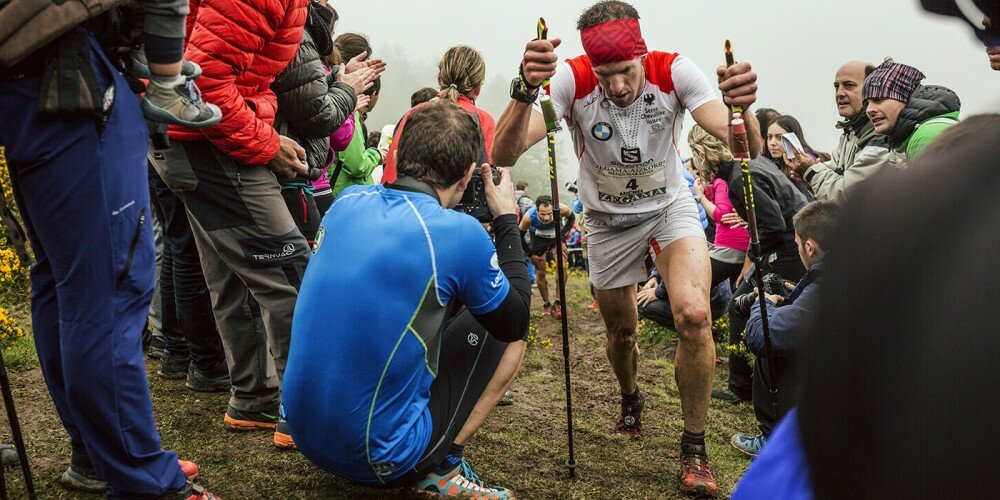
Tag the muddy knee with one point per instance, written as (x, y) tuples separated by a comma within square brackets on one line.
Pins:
[(622, 338)]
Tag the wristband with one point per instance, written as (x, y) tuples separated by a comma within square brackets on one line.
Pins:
[(518, 93)]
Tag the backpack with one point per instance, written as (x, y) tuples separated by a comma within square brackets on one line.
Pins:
[(29, 25)]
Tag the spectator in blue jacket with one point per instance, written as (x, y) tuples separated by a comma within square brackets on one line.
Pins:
[(788, 324)]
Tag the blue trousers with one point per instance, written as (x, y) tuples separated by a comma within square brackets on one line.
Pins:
[(83, 192)]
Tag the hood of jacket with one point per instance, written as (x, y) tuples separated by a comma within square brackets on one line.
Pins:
[(926, 102)]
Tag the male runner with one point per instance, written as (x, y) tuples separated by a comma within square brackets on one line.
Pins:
[(624, 106), (387, 380), (542, 226)]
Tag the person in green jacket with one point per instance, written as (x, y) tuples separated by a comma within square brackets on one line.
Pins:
[(909, 114), (354, 165)]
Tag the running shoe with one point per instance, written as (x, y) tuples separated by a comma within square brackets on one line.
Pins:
[(461, 482), (630, 419), (593, 306), (282, 437), (9, 458), (557, 311), (695, 477), (239, 420), (547, 308), (749, 445), (190, 491), (727, 396)]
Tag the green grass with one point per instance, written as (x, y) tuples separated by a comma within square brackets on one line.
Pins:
[(522, 446)]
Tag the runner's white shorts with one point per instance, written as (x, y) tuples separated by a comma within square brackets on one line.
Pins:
[(618, 245)]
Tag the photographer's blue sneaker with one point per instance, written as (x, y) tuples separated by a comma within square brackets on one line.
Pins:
[(461, 482), (749, 445)]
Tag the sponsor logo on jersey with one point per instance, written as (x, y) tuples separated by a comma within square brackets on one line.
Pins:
[(497, 281), (648, 99), (602, 131), (631, 155), (495, 261), (473, 339)]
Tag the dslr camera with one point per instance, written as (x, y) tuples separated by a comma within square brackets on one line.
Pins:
[(474, 199), (773, 285)]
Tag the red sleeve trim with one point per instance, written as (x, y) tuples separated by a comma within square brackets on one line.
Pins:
[(583, 76), (658, 66)]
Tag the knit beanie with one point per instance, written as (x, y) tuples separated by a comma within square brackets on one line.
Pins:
[(891, 80)]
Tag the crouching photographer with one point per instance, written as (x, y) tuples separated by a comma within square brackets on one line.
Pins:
[(789, 316), (387, 380)]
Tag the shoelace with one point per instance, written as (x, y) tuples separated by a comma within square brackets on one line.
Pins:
[(470, 474), (696, 464), (193, 92)]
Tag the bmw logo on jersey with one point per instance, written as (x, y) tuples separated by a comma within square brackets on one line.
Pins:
[(602, 131)]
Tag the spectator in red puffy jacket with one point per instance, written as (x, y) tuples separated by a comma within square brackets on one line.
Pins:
[(252, 253)]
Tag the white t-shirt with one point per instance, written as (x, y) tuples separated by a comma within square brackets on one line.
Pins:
[(629, 160)]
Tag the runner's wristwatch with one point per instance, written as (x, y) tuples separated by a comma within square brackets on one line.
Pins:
[(521, 94)]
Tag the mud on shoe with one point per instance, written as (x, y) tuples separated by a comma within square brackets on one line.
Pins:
[(173, 367), (695, 476), (630, 419), (178, 102)]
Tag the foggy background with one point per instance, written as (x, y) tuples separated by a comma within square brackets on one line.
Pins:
[(794, 46)]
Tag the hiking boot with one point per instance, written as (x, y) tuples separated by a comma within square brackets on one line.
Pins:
[(749, 445), (547, 308), (727, 396), (190, 491), (214, 380), (80, 478), (557, 311), (630, 419), (173, 367), (239, 420), (462, 482), (695, 477), (282, 438), (140, 67), (178, 102), (507, 399)]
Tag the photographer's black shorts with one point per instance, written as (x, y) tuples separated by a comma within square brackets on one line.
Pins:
[(540, 246), (469, 357)]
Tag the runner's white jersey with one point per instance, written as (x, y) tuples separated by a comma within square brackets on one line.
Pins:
[(629, 159)]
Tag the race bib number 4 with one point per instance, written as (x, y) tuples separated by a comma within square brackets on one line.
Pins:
[(624, 185)]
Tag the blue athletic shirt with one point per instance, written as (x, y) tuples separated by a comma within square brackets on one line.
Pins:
[(367, 327), (540, 230)]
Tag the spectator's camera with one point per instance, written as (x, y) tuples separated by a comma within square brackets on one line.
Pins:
[(474, 199), (773, 285)]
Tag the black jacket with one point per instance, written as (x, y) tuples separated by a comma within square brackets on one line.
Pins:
[(311, 106), (775, 197), (926, 102)]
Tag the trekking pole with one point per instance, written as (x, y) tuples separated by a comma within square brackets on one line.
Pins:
[(15, 429), (741, 151), (552, 126)]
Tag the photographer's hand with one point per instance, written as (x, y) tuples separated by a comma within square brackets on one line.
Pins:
[(499, 198), (775, 299), (645, 296)]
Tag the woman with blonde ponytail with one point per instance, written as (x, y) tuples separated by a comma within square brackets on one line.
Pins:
[(461, 74)]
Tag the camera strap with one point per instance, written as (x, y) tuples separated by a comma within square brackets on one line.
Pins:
[(414, 185)]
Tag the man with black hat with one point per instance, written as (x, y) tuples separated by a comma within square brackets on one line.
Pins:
[(909, 114)]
